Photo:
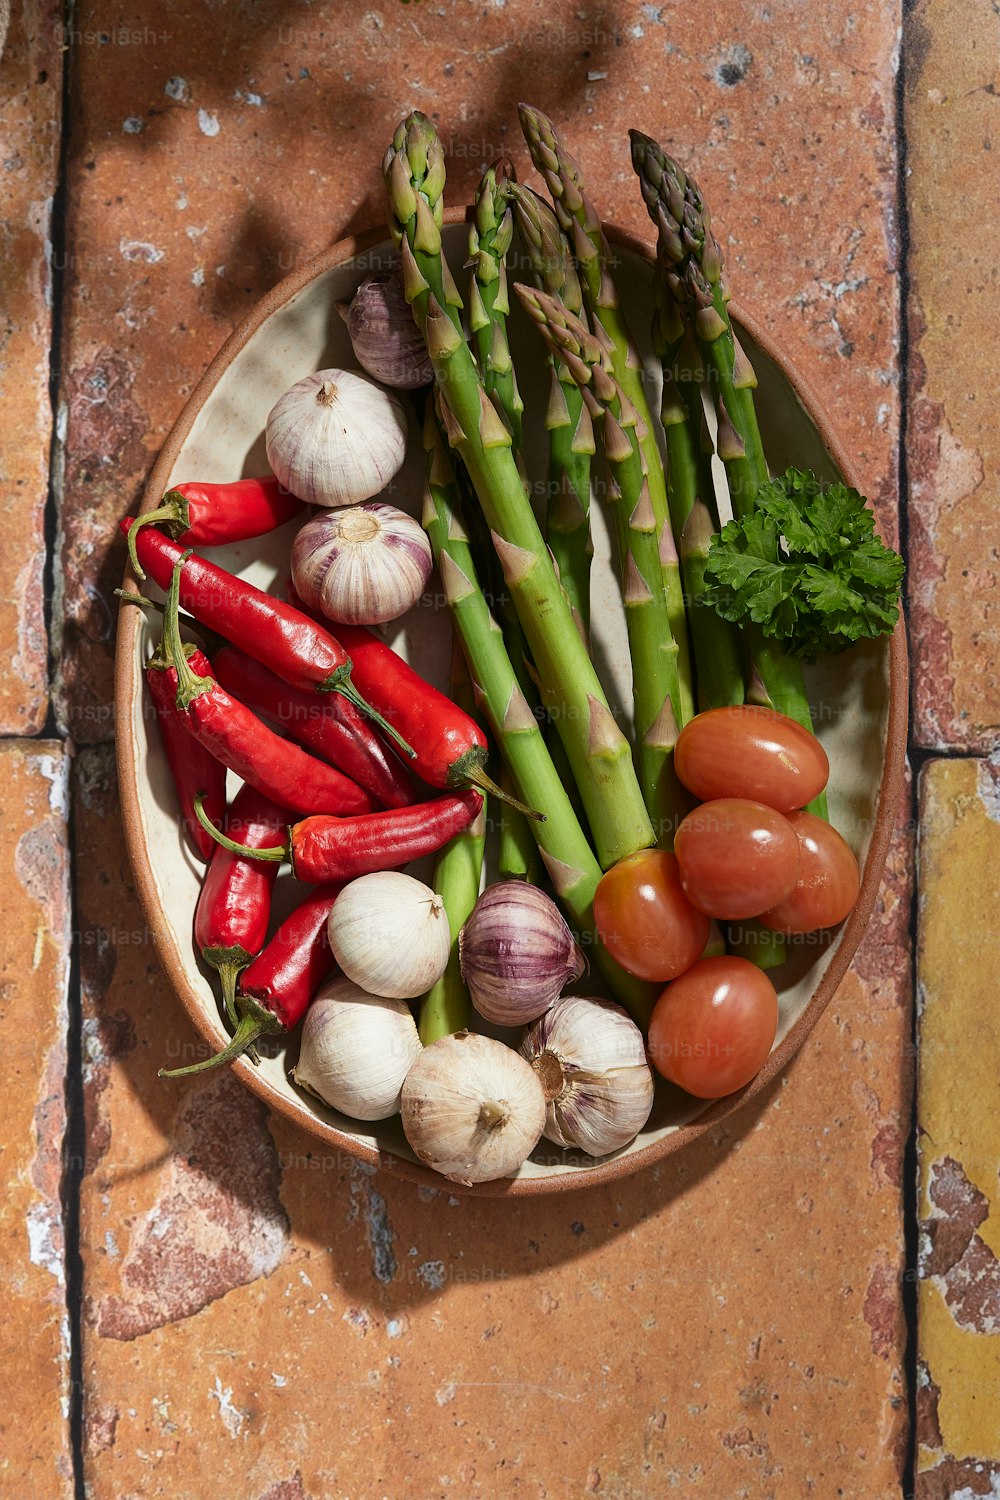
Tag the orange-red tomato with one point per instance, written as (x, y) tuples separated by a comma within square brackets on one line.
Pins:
[(713, 1027), (752, 752), (828, 884), (645, 920), (737, 858)]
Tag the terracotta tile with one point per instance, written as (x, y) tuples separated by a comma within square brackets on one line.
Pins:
[(263, 1314), (34, 971), (954, 447), (959, 1041), (210, 158), (31, 85)]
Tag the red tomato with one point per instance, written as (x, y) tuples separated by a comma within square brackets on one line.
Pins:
[(751, 752), (828, 884), (737, 858), (713, 1027), (645, 920)]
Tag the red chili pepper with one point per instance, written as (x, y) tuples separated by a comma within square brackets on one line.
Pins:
[(276, 989), (451, 748), (244, 743), (331, 726), (323, 848), (234, 907), (210, 515), (283, 638), (193, 767)]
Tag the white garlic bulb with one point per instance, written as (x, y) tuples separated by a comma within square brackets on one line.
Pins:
[(362, 564), (517, 953), (591, 1060), (336, 438), (472, 1108), (356, 1050), (384, 333), (390, 934)]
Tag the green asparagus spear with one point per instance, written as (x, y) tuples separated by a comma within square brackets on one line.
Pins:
[(691, 264), (655, 686), (581, 222), (566, 854), (517, 854), (571, 433), (598, 751), (716, 646), (458, 868), (490, 235)]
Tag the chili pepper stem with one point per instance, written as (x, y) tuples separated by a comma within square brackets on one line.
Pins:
[(276, 852), (479, 778), (340, 682), (169, 513), (254, 1022), (189, 684)]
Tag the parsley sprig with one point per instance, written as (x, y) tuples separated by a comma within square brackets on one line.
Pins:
[(807, 567)]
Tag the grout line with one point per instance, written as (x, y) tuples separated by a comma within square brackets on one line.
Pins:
[(74, 1143), (917, 756)]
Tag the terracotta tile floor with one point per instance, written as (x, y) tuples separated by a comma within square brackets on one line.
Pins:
[(192, 1299)]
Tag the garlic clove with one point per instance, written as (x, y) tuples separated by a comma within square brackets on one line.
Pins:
[(390, 934), (472, 1108), (384, 333), (356, 1050), (517, 954), (361, 564), (590, 1058), (336, 438)]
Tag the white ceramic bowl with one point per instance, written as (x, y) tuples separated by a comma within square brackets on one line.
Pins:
[(859, 699)]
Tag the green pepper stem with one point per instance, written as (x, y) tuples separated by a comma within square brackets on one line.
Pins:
[(341, 682), (274, 852), (189, 684), (167, 511), (250, 1027)]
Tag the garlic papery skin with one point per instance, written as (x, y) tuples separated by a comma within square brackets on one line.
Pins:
[(590, 1057), (472, 1108), (356, 1050), (384, 333), (517, 953), (336, 438), (390, 934), (361, 564)]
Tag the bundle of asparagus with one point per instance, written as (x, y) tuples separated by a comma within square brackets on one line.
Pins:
[(526, 642)]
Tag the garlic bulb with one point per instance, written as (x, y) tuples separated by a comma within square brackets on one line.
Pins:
[(390, 934), (591, 1060), (356, 1050), (384, 334), (336, 438), (517, 954), (361, 565), (472, 1108)]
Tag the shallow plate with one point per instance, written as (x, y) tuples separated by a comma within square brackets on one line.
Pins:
[(859, 699)]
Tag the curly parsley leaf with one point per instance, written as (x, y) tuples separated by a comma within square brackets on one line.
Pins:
[(807, 567)]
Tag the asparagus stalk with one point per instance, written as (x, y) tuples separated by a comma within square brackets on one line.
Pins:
[(655, 684), (571, 433), (458, 867), (692, 500), (565, 852), (580, 221), (517, 856), (490, 236), (598, 751), (691, 265)]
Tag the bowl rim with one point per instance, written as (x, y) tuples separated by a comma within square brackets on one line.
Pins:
[(848, 940)]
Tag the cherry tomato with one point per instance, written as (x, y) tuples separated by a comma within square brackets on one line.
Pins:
[(645, 920), (751, 752), (737, 858), (828, 884), (713, 1027)]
